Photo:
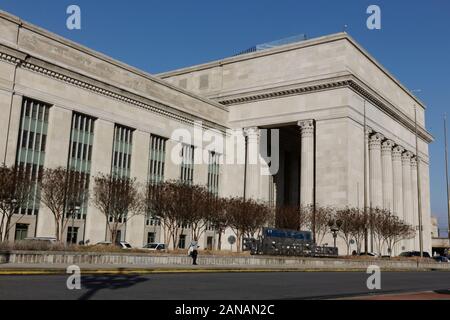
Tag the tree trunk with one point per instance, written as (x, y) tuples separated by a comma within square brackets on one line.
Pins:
[(219, 241), (57, 235)]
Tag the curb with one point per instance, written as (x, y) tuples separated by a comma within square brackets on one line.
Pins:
[(42, 272)]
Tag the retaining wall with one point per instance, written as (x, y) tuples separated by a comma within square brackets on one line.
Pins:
[(69, 258)]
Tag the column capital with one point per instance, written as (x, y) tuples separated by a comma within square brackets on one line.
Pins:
[(397, 152), (414, 162), (387, 146), (406, 157), (375, 141), (252, 132), (306, 127), (369, 131)]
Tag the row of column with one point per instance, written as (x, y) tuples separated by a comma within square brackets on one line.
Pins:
[(393, 179), (253, 172)]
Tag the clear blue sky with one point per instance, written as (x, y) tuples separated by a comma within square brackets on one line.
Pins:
[(414, 42)]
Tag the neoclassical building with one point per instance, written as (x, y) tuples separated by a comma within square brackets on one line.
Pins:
[(63, 104)]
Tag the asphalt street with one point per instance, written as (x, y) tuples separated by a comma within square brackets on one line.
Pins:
[(218, 286)]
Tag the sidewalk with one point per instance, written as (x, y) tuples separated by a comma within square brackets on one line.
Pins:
[(428, 295), (43, 269)]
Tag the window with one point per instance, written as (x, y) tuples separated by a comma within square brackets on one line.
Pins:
[(209, 243), (187, 164), (213, 173), (182, 242), (80, 153), (153, 221), (21, 232), (72, 235), (31, 147), (151, 237), (157, 159), (123, 143)]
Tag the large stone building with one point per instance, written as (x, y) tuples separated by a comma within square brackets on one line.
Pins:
[(65, 105)]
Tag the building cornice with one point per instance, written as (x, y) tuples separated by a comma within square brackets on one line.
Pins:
[(72, 78), (347, 81), (290, 47)]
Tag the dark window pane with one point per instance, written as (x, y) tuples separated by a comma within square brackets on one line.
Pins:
[(46, 114), (24, 138), (27, 109), (31, 140)]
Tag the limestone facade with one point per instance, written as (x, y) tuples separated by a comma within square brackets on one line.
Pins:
[(313, 92)]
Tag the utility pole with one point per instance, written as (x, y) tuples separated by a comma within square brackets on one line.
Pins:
[(366, 233), (419, 184), (446, 173)]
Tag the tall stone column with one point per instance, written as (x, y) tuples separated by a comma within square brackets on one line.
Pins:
[(253, 169), (388, 175), (398, 181), (369, 132), (376, 182), (415, 202), (407, 193), (307, 162)]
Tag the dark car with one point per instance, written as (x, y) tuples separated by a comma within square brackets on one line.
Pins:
[(411, 254), (441, 259)]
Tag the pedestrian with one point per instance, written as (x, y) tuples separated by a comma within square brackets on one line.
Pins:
[(193, 252)]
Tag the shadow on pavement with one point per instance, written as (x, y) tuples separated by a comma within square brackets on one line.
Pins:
[(93, 284), (447, 292)]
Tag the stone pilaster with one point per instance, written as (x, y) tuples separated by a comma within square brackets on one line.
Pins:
[(376, 182), (253, 170), (388, 175), (407, 194), (415, 202), (397, 181), (307, 162), (369, 132)]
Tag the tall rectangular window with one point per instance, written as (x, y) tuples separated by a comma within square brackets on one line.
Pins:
[(213, 173), (187, 164), (31, 147), (123, 143), (80, 152), (157, 159)]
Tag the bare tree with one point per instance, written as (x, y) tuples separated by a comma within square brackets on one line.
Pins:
[(15, 190), (291, 217), (218, 219), (380, 218), (345, 230), (246, 217), (173, 202), (119, 199), (61, 190), (200, 209), (394, 230), (317, 220)]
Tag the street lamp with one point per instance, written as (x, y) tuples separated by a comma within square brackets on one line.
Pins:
[(335, 226)]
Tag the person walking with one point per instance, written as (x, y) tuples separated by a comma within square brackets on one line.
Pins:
[(193, 252)]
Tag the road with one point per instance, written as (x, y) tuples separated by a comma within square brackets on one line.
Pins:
[(218, 286)]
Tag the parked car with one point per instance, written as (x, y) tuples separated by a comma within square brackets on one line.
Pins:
[(370, 254), (155, 247), (47, 240), (441, 259), (410, 254), (122, 244)]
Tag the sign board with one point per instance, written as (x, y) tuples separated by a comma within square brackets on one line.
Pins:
[(231, 240)]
